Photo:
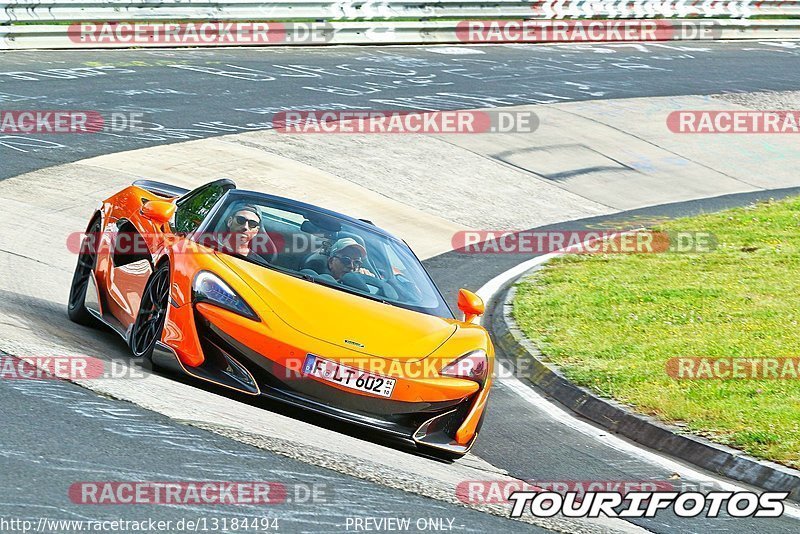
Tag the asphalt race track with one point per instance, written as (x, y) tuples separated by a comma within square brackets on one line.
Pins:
[(193, 94), (104, 439), (197, 94)]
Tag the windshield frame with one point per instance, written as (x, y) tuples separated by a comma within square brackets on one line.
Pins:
[(211, 221)]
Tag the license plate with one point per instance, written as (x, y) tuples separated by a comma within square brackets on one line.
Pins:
[(348, 377)]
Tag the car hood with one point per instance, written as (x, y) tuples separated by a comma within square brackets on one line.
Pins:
[(343, 319)]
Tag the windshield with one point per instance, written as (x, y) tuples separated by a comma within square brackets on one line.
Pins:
[(322, 248)]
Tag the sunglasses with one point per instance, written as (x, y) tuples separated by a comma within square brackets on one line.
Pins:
[(350, 262), (241, 220)]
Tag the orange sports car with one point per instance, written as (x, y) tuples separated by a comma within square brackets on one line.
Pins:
[(270, 296)]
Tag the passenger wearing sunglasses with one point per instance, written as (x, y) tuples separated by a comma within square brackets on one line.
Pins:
[(347, 255)]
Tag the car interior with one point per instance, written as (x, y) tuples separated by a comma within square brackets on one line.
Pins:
[(301, 243)]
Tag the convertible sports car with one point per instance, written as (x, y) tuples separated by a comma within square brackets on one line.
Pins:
[(270, 296)]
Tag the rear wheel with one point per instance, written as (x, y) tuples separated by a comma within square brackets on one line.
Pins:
[(152, 314), (87, 260)]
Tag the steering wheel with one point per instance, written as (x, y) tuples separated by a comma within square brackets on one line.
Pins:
[(364, 282), (408, 286)]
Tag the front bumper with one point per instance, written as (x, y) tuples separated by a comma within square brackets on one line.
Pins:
[(446, 418)]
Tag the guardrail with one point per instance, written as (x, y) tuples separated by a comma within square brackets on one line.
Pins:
[(28, 11), (26, 24), (419, 32)]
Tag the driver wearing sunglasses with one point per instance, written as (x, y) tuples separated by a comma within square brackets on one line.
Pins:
[(242, 227), (347, 255)]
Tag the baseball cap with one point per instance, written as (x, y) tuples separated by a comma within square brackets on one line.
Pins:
[(249, 207), (346, 242)]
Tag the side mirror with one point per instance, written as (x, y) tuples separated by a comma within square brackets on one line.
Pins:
[(158, 211), (471, 304)]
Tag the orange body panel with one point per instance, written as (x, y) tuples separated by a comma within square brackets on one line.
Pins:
[(297, 318)]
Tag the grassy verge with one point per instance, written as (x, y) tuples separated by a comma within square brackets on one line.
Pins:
[(612, 322)]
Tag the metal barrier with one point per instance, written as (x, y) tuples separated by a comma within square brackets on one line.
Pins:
[(17, 11), (427, 32), (26, 24)]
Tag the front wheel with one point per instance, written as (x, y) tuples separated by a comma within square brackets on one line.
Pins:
[(152, 314), (87, 261)]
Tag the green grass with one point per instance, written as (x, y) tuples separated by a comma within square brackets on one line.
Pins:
[(611, 322)]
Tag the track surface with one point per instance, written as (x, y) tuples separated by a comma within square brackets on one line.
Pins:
[(192, 94), (201, 93), (105, 439)]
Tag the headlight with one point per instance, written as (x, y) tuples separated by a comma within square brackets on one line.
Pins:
[(208, 287), (473, 365)]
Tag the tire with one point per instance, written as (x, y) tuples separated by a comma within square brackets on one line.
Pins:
[(87, 261), (149, 323)]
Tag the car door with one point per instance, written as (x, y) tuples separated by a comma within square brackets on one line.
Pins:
[(137, 239)]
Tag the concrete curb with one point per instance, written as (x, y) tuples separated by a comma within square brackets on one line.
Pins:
[(619, 419)]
